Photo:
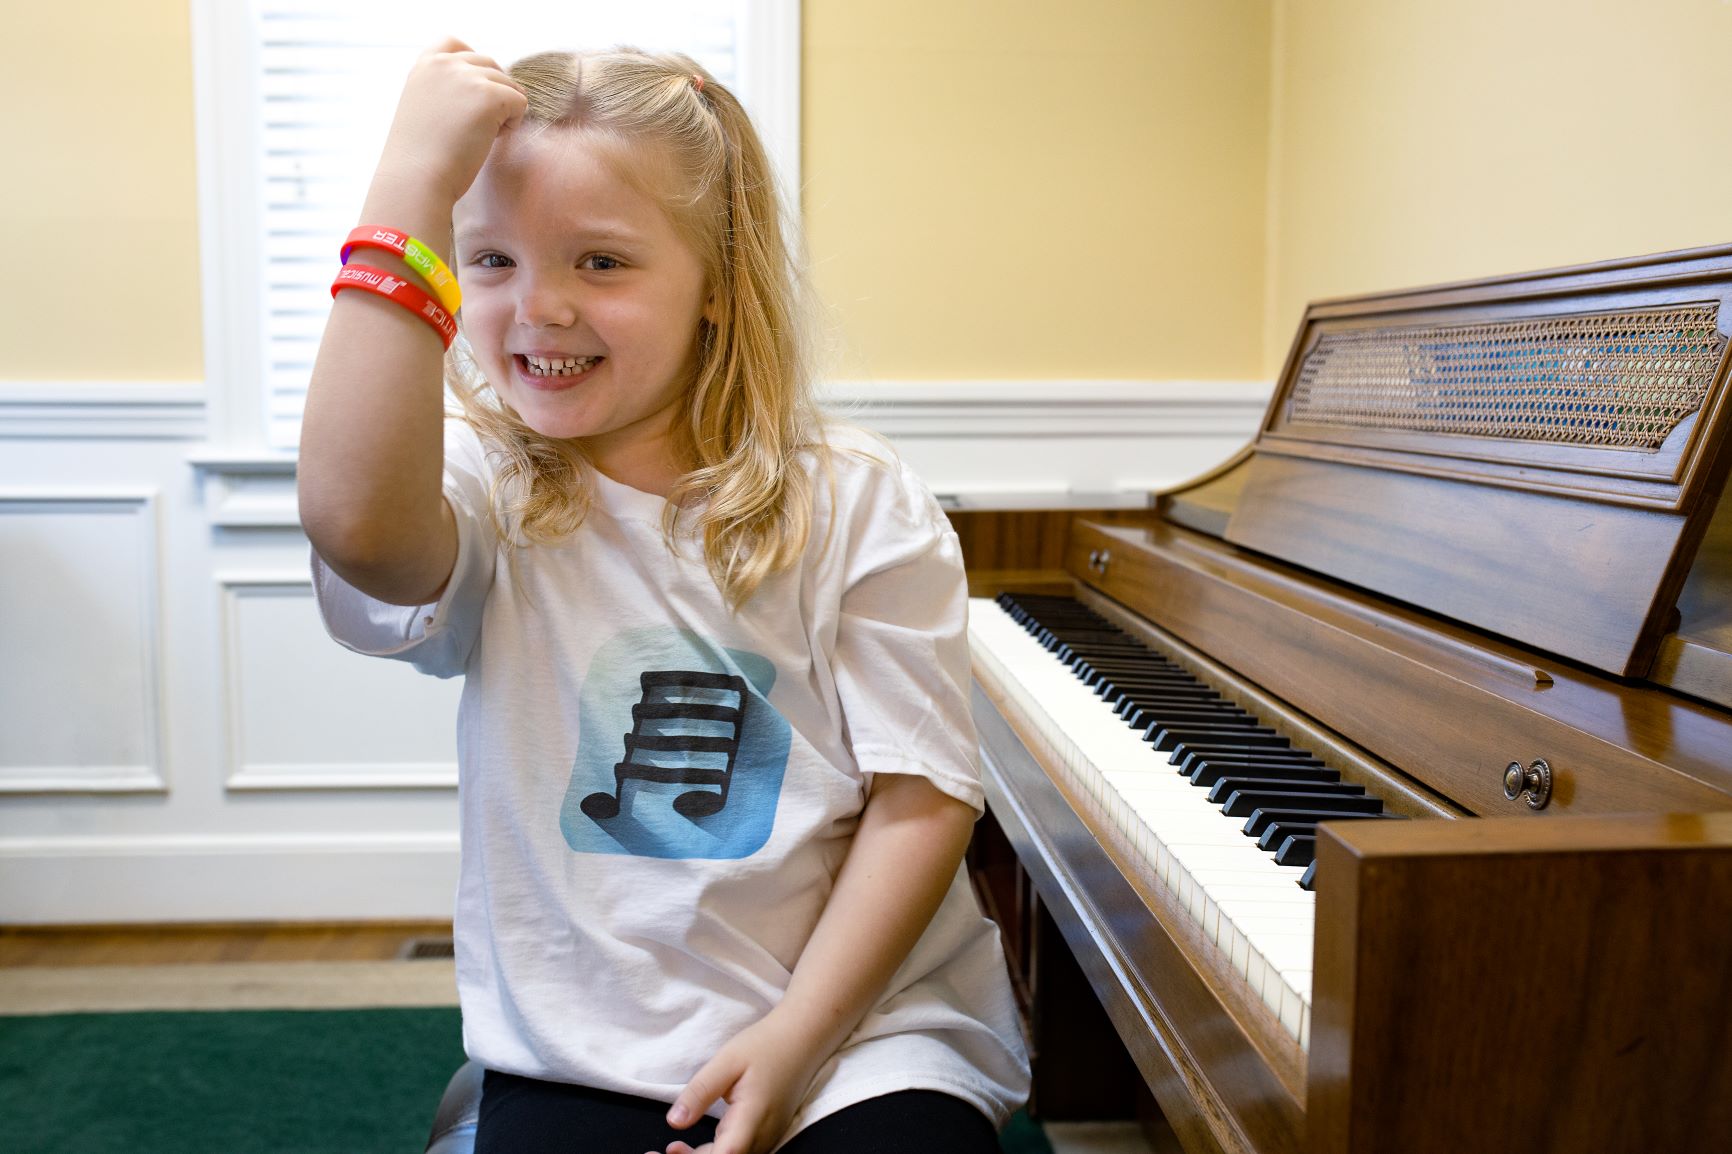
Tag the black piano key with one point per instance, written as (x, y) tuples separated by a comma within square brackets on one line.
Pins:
[(1270, 756), (1227, 725), (1243, 801), (1149, 676), (1297, 850), (1129, 667), (1277, 832), (1115, 686), (1224, 789), (1131, 654), (1210, 719), (1309, 880), (1129, 658), (1087, 644), (1176, 737), (1218, 745), (1091, 675), (1163, 691), (1210, 772), (1153, 701), (1140, 713), (1127, 699), (1263, 816)]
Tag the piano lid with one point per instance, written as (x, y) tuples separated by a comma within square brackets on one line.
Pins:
[(1538, 456)]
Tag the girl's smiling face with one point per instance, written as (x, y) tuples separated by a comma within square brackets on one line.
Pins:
[(580, 299)]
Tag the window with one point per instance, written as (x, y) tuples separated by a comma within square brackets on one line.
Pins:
[(294, 101)]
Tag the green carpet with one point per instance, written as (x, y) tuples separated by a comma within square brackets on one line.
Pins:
[(242, 1082), (245, 1082)]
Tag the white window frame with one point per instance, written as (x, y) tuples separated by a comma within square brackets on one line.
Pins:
[(225, 85)]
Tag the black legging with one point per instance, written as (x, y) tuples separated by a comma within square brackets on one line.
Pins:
[(527, 1116)]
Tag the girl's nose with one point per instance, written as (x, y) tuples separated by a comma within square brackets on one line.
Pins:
[(545, 305)]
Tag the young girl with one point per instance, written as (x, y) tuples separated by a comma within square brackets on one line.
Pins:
[(717, 768)]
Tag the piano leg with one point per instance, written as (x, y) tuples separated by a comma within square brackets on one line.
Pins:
[(1081, 1069)]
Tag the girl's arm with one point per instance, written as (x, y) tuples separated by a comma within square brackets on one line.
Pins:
[(903, 858), (371, 455)]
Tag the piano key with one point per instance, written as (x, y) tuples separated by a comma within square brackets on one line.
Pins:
[(1117, 690), (1263, 822), (1219, 875), (1225, 787), (1238, 723), (1263, 816), (1129, 703), (1289, 756), (1178, 753), (1243, 802), (1173, 738), (1093, 674), (1207, 773), (1297, 850)]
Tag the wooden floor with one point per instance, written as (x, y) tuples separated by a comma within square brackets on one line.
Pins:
[(172, 945)]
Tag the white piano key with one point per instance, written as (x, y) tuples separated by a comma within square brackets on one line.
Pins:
[(1292, 1005), (1256, 972), (1286, 952), (1252, 909)]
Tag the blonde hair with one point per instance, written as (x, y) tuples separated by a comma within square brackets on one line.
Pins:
[(749, 409)]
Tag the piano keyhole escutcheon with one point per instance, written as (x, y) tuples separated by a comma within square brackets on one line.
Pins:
[(1099, 559), (1533, 783)]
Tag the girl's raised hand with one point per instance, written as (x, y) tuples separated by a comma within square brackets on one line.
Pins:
[(455, 104)]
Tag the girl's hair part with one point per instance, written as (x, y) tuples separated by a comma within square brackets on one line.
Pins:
[(679, 136)]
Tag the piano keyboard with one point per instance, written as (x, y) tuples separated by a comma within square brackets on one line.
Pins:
[(1223, 809)]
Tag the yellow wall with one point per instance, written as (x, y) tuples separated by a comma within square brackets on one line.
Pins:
[(994, 189), (99, 201), (1428, 140), (1026, 189), (1014, 188)]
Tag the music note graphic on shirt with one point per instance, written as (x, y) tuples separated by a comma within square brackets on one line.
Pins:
[(685, 731)]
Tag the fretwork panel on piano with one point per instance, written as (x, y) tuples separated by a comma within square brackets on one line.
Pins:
[(1224, 809)]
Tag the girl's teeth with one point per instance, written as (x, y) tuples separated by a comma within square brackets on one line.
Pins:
[(558, 367)]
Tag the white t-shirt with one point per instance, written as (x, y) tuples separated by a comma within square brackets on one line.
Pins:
[(656, 794)]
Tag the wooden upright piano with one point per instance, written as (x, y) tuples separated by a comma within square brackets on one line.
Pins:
[(1378, 781)]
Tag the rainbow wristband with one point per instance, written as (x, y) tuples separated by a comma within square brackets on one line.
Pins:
[(422, 259), (394, 288)]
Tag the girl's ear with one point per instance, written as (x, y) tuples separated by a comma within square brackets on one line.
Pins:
[(710, 310)]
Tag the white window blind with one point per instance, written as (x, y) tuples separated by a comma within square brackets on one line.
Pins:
[(328, 86)]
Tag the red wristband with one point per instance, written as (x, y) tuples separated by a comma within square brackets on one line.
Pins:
[(394, 288)]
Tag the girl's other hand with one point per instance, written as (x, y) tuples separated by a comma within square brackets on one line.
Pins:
[(762, 1073), (455, 104)]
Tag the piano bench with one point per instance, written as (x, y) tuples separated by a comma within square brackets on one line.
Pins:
[(458, 1114)]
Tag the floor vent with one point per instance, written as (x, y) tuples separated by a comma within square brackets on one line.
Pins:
[(416, 949)]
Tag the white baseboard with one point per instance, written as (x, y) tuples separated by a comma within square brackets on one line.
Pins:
[(237, 877)]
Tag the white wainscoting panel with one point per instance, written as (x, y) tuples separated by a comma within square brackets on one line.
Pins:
[(305, 713), (197, 877), (181, 741), (80, 695)]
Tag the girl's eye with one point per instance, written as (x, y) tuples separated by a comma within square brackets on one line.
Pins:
[(493, 260), (599, 263)]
